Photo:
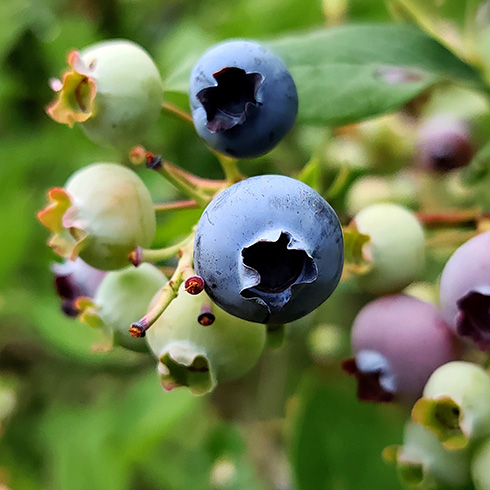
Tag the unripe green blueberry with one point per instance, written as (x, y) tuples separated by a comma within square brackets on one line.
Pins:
[(103, 213), (123, 298), (372, 189), (198, 356), (480, 466), (423, 462), (396, 248), (456, 404), (113, 90)]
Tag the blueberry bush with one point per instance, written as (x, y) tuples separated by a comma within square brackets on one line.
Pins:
[(268, 245)]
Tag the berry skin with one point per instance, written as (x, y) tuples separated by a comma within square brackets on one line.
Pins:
[(480, 470), (243, 99), (270, 249), (398, 341), (197, 356), (75, 278), (113, 90), (103, 213), (123, 297), (456, 404), (396, 247), (465, 290), (444, 144)]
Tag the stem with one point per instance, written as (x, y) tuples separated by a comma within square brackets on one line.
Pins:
[(450, 218), (170, 206), (179, 178), (158, 255), (230, 168), (167, 294), (339, 182), (173, 110)]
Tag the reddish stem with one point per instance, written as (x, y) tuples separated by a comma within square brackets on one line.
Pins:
[(184, 204)]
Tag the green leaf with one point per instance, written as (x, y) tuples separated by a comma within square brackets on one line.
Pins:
[(354, 72), (337, 441)]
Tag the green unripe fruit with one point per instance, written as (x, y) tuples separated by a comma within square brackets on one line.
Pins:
[(480, 466), (456, 404), (104, 213), (396, 248), (113, 89), (422, 461), (123, 297), (198, 356), (372, 189)]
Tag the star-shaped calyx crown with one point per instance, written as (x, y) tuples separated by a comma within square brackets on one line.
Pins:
[(227, 103)]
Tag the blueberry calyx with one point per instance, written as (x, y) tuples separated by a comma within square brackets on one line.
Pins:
[(375, 382), (473, 319), (272, 267), (228, 102)]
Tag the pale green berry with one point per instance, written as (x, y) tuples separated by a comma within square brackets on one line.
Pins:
[(456, 404), (198, 356), (480, 466), (103, 213), (396, 247), (423, 462), (113, 89), (123, 297)]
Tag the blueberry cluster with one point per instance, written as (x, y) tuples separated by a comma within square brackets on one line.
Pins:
[(269, 250)]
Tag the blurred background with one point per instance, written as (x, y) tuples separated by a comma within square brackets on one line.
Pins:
[(72, 418)]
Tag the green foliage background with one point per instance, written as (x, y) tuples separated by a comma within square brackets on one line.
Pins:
[(87, 420)]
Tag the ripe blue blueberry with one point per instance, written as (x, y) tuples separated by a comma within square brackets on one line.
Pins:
[(243, 99), (270, 249)]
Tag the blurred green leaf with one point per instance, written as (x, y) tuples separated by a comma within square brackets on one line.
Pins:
[(337, 440), (14, 20)]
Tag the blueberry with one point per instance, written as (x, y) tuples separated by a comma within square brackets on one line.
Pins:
[(103, 213), (423, 462), (444, 144), (113, 89), (75, 278), (396, 247), (456, 404), (197, 356), (398, 342), (270, 249), (243, 99), (465, 290)]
